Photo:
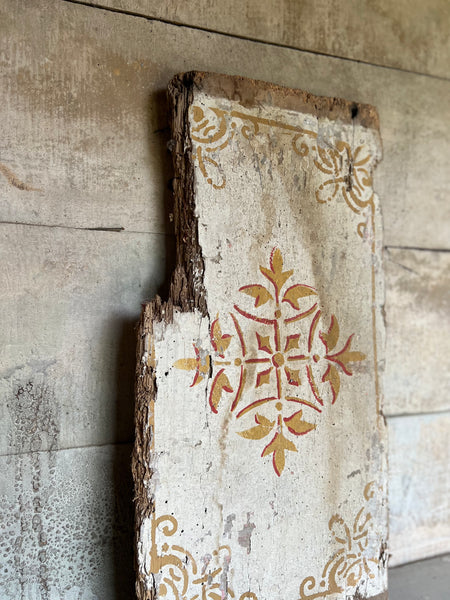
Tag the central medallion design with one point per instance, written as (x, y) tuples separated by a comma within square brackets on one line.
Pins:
[(281, 346)]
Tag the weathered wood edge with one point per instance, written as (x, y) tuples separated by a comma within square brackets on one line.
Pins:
[(187, 293), (253, 93)]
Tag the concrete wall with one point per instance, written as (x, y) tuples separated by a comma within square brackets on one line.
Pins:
[(86, 237)]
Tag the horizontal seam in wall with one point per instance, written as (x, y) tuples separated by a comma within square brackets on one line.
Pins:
[(250, 39), (63, 449), (419, 249), (444, 411), (170, 234), (100, 229)]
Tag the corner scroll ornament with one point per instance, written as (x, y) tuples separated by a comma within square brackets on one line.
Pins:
[(349, 566), (283, 377), (344, 172), (177, 574)]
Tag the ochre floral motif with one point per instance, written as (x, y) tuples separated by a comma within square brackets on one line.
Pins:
[(177, 574), (344, 172), (349, 566), (302, 366)]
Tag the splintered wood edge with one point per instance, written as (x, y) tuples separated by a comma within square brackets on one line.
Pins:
[(187, 292)]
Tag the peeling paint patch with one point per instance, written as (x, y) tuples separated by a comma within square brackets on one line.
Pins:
[(245, 534), (229, 525)]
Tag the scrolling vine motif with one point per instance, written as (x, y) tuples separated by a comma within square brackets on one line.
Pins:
[(301, 369), (349, 566), (177, 573), (344, 172), (178, 576)]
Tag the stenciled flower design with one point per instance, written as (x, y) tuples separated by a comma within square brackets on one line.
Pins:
[(288, 367)]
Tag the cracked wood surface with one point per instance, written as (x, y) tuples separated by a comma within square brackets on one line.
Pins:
[(278, 377)]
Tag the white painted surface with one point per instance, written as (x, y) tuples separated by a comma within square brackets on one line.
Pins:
[(272, 499)]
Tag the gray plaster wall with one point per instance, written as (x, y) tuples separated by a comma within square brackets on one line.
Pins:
[(85, 238)]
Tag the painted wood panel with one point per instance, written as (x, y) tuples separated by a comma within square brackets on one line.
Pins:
[(419, 487), (260, 460), (66, 525), (417, 376), (90, 134), (414, 34), (70, 300)]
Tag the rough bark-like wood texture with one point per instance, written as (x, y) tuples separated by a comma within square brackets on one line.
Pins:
[(414, 34), (252, 170)]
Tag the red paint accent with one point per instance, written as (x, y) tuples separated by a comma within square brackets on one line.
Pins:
[(254, 317), (211, 335), (295, 336), (312, 329), (290, 288), (274, 465), (313, 386), (257, 360), (274, 249), (277, 336), (288, 377), (304, 402), (261, 347), (254, 405), (225, 388), (302, 315), (240, 336), (260, 375), (273, 453), (298, 357), (197, 372), (328, 332), (334, 357), (239, 391), (196, 376), (332, 388), (278, 383), (287, 419)]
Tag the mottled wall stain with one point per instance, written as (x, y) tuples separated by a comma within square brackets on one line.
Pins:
[(34, 418), (66, 522)]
